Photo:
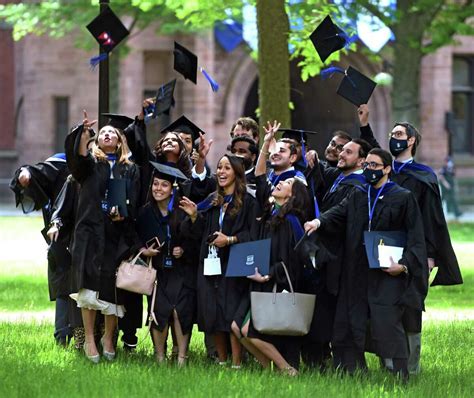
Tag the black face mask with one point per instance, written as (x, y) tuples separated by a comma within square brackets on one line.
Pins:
[(397, 146), (373, 176)]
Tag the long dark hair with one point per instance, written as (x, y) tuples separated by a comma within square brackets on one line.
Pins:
[(184, 161), (240, 190), (173, 216), (298, 204)]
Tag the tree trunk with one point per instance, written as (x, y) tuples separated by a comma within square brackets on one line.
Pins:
[(273, 62)]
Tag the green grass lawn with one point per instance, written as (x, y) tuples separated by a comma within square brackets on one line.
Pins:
[(32, 365)]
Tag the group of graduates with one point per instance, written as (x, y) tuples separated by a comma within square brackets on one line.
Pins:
[(276, 189)]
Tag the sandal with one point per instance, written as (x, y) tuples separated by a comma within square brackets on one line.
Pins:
[(289, 371)]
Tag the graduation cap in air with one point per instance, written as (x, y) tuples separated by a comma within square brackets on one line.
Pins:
[(355, 86), (184, 125), (328, 38), (186, 63), (120, 122), (109, 31), (164, 98)]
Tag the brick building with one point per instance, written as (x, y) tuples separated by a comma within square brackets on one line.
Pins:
[(45, 84)]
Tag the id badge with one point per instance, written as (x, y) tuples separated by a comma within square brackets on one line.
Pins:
[(212, 263), (167, 262)]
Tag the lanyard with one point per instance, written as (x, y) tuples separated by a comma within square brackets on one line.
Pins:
[(401, 166), (372, 209), (227, 199), (336, 183)]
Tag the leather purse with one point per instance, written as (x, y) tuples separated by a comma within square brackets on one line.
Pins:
[(136, 278), (283, 314)]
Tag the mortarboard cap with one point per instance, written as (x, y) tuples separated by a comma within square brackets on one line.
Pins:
[(118, 121), (108, 30), (184, 125), (329, 38), (164, 99), (356, 87), (185, 62), (295, 134), (168, 173)]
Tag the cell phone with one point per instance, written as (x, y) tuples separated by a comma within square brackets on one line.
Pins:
[(153, 241), (211, 238)]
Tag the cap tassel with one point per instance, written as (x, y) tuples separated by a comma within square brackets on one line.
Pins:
[(213, 83), (328, 72), (94, 61), (348, 39)]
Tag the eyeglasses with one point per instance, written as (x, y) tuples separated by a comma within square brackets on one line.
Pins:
[(371, 165), (338, 147), (397, 134)]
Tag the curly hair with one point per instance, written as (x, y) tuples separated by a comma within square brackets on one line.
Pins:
[(240, 190), (184, 161)]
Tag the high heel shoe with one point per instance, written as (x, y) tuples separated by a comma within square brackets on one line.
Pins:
[(92, 358), (110, 356)]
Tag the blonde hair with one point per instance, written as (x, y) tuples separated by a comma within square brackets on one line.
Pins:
[(121, 151)]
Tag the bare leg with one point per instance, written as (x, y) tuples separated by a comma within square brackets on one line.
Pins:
[(270, 351), (181, 339), (236, 350), (220, 339), (174, 351), (110, 327), (88, 318), (159, 339), (242, 335)]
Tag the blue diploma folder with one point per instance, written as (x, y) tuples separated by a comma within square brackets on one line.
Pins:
[(390, 238), (244, 257)]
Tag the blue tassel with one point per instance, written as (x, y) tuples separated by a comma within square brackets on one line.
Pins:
[(325, 73), (347, 39), (214, 84), (94, 61)]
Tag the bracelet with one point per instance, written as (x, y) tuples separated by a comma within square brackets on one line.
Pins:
[(228, 241), (265, 153)]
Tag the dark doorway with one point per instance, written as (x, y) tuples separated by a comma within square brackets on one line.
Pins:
[(317, 107)]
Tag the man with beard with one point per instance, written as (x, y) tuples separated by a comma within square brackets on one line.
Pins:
[(246, 148), (325, 284), (422, 181)]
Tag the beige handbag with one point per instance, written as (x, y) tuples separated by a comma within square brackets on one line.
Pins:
[(136, 278), (285, 314)]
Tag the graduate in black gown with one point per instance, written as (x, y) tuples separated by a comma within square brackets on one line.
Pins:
[(371, 302), (37, 187), (175, 300), (102, 236), (422, 181), (285, 209), (325, 283), (225, 221)]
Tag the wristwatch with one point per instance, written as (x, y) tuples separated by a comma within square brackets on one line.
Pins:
[(405, 269)]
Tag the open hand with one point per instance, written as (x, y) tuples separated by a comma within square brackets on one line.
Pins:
[(395, 269), (258, 277)]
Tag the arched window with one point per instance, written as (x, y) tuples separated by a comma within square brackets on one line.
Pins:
[(462, 105)]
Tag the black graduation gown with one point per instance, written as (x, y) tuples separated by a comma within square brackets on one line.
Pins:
[(218, 297), (370, 294), (99, 243), (283, 241), (423, 182), (176, 289), (326, 284), (47, 179)]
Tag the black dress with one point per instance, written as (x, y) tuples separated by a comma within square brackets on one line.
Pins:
[(99, 243), (370, 294), (176, 289), (219, 298)]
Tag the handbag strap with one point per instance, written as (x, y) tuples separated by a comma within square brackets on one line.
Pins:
[(134, 259), (289, 282)]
